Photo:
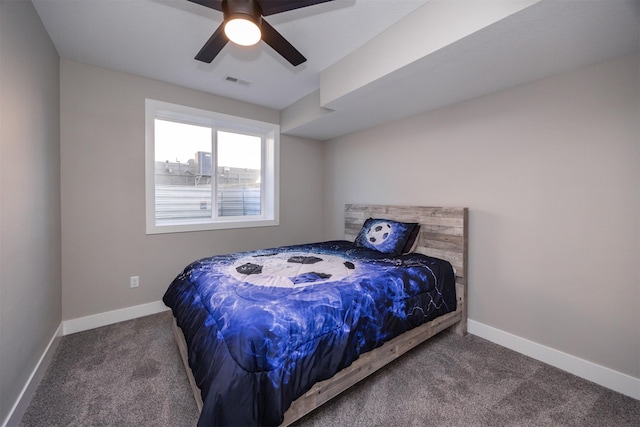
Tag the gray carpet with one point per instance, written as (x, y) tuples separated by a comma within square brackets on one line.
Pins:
[(130, 374), (126, 374)]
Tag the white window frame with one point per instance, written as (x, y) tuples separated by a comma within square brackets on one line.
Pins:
[(270, 133)]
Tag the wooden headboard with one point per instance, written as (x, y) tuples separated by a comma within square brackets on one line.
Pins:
[(443, 234)]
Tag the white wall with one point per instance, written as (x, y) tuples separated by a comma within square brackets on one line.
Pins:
[(551, 174), (103, 194), (30, 283)]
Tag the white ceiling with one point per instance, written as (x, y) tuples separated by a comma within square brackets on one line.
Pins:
[(368, 61)]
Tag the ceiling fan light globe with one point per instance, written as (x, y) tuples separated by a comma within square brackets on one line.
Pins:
[(242, 31)]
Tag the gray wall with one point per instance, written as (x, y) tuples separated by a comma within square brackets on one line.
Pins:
[(551, 174), (103, 194), (30, 284)]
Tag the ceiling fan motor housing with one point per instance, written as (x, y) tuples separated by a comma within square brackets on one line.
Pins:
[(246, 9)]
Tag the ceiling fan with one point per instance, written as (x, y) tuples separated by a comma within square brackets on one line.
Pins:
[(244, 25)]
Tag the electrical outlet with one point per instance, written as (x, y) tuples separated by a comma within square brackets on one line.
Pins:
[(134, 281)]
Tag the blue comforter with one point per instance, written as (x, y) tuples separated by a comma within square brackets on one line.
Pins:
[(262, 327)]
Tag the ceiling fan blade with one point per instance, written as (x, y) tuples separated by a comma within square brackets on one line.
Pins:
[(281, 45), (213, 4), (270, 7), (213, 46)]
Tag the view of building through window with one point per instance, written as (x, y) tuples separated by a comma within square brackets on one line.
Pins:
[(202, 172)]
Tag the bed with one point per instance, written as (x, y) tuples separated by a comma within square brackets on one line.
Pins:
[(268, 336)]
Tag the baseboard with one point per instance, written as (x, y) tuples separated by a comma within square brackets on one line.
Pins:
[(103, 319), (29, 389), (593, 372)]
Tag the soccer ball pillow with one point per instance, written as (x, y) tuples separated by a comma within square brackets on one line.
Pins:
[(387, 236)]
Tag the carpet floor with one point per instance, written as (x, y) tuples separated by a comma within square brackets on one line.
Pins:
[(130, 374)]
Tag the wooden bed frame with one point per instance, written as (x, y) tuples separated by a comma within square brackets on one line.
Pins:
[(443, 234)]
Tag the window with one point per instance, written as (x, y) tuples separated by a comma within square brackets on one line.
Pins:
[(206, 170)]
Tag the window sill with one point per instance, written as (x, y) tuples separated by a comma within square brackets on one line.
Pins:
[(206, 226)]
